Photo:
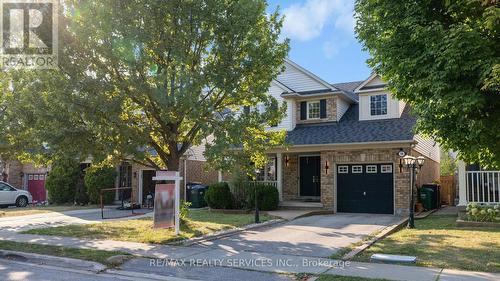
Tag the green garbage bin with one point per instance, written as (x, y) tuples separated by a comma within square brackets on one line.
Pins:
[(426, 196), (196, 195)]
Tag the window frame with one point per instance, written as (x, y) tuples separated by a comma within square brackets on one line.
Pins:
[(383, 169), (340, 169), (308, 103), (354, 169), (368, 167), (374, 111)]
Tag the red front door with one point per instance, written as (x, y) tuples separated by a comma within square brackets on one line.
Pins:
[(36, 186)]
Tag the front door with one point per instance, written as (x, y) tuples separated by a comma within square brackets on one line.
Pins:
[(310, 185)]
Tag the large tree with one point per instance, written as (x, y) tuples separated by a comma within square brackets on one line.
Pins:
[(443, 58), (149, 79)]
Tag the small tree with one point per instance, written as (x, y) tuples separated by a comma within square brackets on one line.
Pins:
[(448, 164), (62, 180)]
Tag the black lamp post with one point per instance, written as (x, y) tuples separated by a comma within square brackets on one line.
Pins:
[(257, 217), (412, 164)]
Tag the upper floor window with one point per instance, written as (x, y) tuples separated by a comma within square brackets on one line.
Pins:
[(378, 105), (313, 110)]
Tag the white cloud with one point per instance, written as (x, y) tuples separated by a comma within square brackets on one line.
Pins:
[(307, 20)]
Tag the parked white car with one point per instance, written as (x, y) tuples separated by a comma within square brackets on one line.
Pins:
[(11, 196)]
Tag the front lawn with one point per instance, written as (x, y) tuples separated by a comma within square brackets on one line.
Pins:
[(83, 254), (30, 210), (437, 242), (140, 230)]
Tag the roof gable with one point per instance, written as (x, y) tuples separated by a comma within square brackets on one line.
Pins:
[(374, 82)]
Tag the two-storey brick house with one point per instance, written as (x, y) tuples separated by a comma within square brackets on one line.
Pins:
[(344, 141)]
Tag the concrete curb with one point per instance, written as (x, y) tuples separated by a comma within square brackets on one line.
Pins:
[(224, 233), (57, 261), (145, 276), (382, 234)]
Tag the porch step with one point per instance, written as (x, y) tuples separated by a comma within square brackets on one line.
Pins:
[(300, 205)]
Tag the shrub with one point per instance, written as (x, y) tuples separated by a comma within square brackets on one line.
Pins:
[(184, 210), (267, 195), (62, 180), (487, 213), (97, 178), (218, 196)]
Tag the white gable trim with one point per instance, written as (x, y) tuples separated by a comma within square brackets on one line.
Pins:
[(373, 76)]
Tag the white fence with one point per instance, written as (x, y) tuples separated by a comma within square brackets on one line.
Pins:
[(483, 186)]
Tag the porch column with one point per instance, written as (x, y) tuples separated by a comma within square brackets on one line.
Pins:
[(279, 174), (462, 184), (219, 176)]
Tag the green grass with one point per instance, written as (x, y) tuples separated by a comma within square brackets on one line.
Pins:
[(141, 230), (30, 210), (326, 277), (437, 242), (83, 254)]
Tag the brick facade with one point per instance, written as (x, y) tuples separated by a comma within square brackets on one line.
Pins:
[(290, 177), (331, 111), (328, 177)]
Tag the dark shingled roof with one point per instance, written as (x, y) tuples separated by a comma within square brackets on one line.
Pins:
[(348, 88), (350, 130)]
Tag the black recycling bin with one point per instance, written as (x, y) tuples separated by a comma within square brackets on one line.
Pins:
[(436, 198), (195, 193)]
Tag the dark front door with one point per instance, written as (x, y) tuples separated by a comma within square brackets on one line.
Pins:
[(365, 188), (310, 176)]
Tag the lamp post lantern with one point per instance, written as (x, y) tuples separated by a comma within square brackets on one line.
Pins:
[(412, 164)]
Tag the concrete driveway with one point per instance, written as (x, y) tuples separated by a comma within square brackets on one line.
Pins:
[(315, 236)]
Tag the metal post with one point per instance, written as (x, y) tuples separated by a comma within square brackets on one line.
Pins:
[(257, 218), (177, 203), (411, 220)]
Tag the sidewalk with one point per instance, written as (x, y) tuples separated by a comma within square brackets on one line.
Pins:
[(265, 262)]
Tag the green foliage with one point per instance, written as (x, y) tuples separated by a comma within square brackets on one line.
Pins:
[(267, 195), (448, 164), (184, 210), (487, 213), (159, 74), (239, 188), (218, 196), (443, 59), (62, 180), (97, 178)]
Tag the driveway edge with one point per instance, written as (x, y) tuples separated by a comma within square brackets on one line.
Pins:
[(382, 234)]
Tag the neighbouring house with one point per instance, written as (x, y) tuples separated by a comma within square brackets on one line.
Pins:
[(477, 185), (343, 148), (139, 178), (192, 168), (26, 176)]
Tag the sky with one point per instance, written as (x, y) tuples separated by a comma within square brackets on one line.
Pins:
[(322, 38)]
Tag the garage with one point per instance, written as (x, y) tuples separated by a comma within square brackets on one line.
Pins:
[(365, 188)]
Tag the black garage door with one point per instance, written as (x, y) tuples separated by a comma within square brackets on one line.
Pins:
[(365, 188)]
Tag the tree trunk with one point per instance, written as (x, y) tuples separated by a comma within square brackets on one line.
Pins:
[(173, 163)]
